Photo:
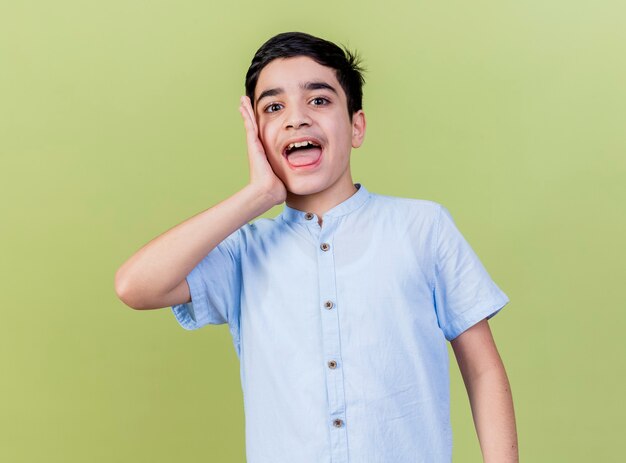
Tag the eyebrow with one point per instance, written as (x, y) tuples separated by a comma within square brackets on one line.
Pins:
[(316, 85)]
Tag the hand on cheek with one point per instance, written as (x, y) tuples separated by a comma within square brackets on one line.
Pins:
[(261, 173)]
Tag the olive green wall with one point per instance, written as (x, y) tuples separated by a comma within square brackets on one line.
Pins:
[(119, 119)]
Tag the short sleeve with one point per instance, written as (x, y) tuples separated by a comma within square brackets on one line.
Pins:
[(215, 286), (464, 292)]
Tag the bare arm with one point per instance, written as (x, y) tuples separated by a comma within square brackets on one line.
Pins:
[(154, 276), (489, 393)]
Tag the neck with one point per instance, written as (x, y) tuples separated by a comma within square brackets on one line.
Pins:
[(320, 203)]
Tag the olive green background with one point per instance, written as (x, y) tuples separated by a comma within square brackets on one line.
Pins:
[(120, 119)]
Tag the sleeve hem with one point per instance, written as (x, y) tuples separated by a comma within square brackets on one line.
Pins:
[(189, 315), (470, 317)]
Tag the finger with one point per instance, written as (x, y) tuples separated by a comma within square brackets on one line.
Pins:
[(248, 105), (245, 113), (245, 106), (251, 130)]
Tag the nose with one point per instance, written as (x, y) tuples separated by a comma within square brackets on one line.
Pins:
[(296, 118)]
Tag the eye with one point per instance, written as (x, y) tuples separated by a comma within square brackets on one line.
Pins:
[(272, 108), (319, 101)]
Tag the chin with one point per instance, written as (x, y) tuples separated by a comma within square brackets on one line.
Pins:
[(305, 186)]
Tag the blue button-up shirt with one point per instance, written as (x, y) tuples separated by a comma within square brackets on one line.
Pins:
[(341, 329)]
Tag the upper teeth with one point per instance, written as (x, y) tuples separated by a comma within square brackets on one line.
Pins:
[(300, 144)]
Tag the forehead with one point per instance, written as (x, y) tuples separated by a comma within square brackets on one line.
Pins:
[(290, 74)]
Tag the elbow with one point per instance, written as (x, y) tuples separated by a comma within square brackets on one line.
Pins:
[(124, 291)]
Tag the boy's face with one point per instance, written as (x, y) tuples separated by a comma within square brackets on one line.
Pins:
[(297, 99)]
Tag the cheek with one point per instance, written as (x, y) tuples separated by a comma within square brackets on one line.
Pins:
[(347, 137), (268, 141), (265, 134)]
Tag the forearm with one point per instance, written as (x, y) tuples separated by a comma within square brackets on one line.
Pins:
[(492, 409), (489, 393), (162, 264)]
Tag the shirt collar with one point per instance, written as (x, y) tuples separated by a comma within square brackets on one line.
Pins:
[(347, 206)]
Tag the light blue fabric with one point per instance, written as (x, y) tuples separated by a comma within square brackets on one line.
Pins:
[(396, 281)]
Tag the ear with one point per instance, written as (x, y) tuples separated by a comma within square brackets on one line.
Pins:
[(358, 128)]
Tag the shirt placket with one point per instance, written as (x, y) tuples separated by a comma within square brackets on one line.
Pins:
[(333, 366)]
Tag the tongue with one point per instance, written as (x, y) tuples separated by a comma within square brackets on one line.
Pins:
[(302, 157)]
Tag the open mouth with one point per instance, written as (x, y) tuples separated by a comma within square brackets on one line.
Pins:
[(304, 153)]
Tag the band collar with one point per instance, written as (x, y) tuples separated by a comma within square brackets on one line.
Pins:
[(347, 206)]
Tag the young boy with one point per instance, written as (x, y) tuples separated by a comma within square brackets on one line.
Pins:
[(339, 308)]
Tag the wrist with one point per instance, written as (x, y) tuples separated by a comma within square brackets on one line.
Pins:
[(267, 197), (262, 198)]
